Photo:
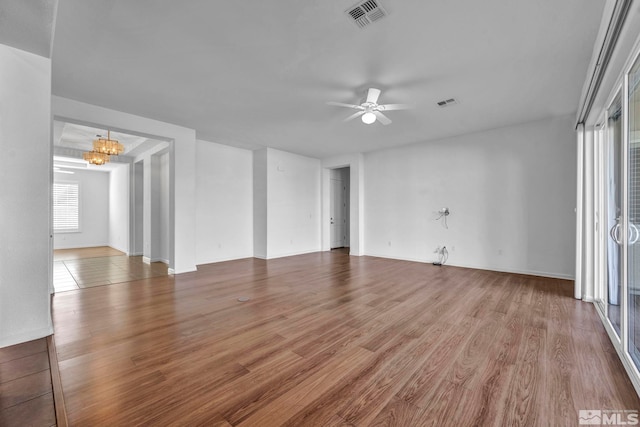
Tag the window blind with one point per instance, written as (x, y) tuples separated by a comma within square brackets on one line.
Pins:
[(66, 215)]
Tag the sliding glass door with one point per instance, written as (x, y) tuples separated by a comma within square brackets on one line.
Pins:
[(616, 213), (613, 213)]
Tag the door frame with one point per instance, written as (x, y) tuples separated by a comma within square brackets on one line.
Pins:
[(343, 198), (621, 343), (130, 216), (355, 163)]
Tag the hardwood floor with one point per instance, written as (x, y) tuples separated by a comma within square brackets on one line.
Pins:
[(88, 267), (26, 395), (327, 339)]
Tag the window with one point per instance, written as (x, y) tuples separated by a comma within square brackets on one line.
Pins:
[(66, 212)]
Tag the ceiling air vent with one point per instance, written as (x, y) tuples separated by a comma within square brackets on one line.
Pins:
[(447, 102), (366, 12)]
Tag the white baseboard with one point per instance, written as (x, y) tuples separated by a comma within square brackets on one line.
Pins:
[(225, 259), (185, 270), (93, 245), (215, 261), (291, 254), (484, 267), (517, 271), (119, 249), (276, 256), (148, 260), (162, 260)]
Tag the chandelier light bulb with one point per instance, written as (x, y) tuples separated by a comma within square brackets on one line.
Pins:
[(368, 117)]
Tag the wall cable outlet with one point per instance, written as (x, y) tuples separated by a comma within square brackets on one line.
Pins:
[(443, 255)]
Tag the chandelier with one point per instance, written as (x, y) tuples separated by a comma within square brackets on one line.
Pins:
[(108, 145), (103, 149), (95, 158)]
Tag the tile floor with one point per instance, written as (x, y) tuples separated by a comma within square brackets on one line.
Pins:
[(88, 267)]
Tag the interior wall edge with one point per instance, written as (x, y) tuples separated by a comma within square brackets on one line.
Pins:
[(26, 336)]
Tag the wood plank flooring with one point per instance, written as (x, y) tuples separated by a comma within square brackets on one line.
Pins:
[(327, 339), (26, 395)]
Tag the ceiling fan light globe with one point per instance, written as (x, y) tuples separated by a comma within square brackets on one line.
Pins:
[(368, 118)]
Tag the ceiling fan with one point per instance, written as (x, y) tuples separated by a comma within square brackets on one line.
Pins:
[(370, 110)]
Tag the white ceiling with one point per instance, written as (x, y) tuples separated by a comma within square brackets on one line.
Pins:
[(28, 25), (259, 73)]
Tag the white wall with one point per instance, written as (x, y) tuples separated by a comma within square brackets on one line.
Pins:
[(510, 191), (138, 209), (155, 209), (156, 203), (25, 224), (164, 207), (147, 209), (224, 203), (293, 204), (119, 208), (286, 204), (260, 196), (94, 210)]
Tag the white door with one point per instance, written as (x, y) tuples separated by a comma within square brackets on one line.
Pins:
[(338, 213)]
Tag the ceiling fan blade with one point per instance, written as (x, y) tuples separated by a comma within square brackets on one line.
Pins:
[(389, 107), (341, 104), (382, 118), (373, 95), (353, 116)]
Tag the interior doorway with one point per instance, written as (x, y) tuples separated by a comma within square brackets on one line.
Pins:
[(339, 207), (122, 206)]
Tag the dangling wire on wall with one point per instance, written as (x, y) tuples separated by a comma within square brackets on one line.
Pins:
[(442, 215), (443, 255)]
